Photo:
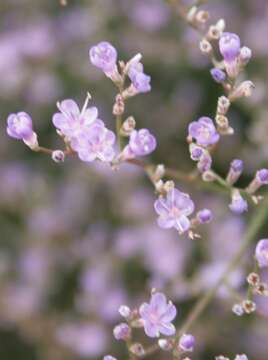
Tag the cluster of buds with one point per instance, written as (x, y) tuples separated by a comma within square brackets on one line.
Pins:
[(245, 307), (258, 287), (213, 34)]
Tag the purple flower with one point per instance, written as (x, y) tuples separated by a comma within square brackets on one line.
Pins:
[(187, 342), (103, 56), (204, 216), (142, 142), (262, 176), (20, 126), (122, 332), (97, 142), (238, 204), (173, 210), (158, 315), (196, 152), (140, 81), (235, 171), (203, 131), (261, 253), (109, 357), (229, 45), (71, 121), (218, 75)]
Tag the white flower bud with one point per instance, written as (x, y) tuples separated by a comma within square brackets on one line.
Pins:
[(58, 156), (124, 311), (128, 126), (223, 105)]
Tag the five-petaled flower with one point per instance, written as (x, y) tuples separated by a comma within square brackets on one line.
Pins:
[(71, 121), (157, 316), (174, 210)]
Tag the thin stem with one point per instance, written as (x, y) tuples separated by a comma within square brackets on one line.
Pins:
[(254, 227), (119, 121)]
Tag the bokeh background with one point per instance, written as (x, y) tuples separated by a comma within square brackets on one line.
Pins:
[(78, 240)]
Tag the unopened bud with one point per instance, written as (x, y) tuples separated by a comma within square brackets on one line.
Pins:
[(124, 311), (214, 33), (166, 344), (202, 16), (253, 279), (128, 126), (223, 105), (119, 105), (159, 172), (58, 156)]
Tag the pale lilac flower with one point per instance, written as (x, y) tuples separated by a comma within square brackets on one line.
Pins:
[(245, 54), (140, 81), (203, 131), (204, 216), (97, 142), (261, 253), (173, 210), (141, 142), (104, 56), (218, 75), (187, 342), (158, 315), (241, 357), (122, 332), (20, 126), (71, 121), (109, 357), (238, 204), (229, 45), (262, 176)]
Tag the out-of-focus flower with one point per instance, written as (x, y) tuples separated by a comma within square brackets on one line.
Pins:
[(109, 357), (235, 171), (87, 340), (261, 253), (241, 357), (203, 131), (122, 332), (229, 45), (173, 210), (204, 216), (71, 121), (158, 315), (238, 204), (260, 179), (186, 342), (218, 75), (95, 143), (103, 56)]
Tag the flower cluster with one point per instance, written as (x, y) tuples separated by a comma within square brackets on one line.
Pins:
[(156, 318)]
